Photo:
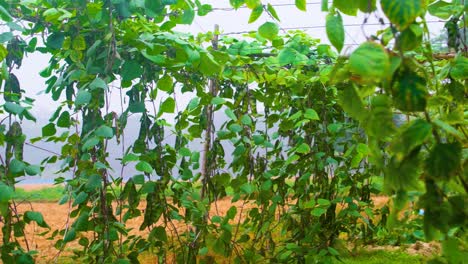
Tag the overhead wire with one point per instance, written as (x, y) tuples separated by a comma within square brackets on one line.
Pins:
[(321, 26), (274, 5)]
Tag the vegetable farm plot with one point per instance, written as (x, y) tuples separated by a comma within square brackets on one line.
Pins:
[(260, 146)]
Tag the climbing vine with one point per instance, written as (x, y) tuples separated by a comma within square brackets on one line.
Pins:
[(311, 130)]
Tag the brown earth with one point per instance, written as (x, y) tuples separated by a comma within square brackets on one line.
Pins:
[(56, 217)]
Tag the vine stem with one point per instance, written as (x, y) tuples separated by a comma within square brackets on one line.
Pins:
[(434, 132), (69, 205)]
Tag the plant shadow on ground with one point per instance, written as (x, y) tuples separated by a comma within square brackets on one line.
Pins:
[(361, 257)]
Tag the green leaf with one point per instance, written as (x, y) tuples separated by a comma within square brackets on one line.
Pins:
[(129, 158), (236, 3), (16, 166), (223, 134), (188, 15), (444, 160), (208, 65), (3, 53), (92, 50), (356, 160), (79, 43), (347, 7), (5, 15), (403, 173), (104, 132), (137, 107), (49, 130), (193, 104), (185, 152), (99, 165), (144, 167), (292, 159), (253, 3), (98, 83), (256, 13), (80, 198), (64, 120), (217, 100), (411, 137), (55, 40), (235, 128), (187, 174), (287, 56), (311, 114), (449, 129), (32, 170), (153, 8), (410, 38), (83, 97), (246, 120), (6, 193), (333, 251), (12, 89), (335, 30), (318, 211), (5, 37), (303, 148), (247, 188), (453, 250), (70, 235), (90, 143), (272, 12), (409, 91), (230, 114), (402, 13), (379, 122), (459, 69), (324, 6), (165, 83), (36, 217), (301, 5), (13, 108), (168, 106), (362, 148), (82, 221), (367, 6), (203, 10), (268, 30), (370, 61), (444, 10), (93, 183), (323, 202), (231, 213), (158, 233), (131, 70), (351, 102)]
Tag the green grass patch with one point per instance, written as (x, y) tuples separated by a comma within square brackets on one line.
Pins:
[(382, 257), (47, 194), (362, 257)]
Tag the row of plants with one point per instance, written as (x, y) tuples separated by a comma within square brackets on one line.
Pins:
[(311, 130)]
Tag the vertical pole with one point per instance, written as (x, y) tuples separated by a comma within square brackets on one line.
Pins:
[(206, 166), (213, 90)]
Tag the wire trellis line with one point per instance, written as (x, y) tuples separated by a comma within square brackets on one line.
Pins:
[(321, 26), (274, 5)]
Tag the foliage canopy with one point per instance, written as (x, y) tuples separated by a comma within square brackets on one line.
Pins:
[(310, 129)]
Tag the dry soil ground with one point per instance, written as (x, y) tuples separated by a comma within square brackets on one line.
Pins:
[(56, 217)]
